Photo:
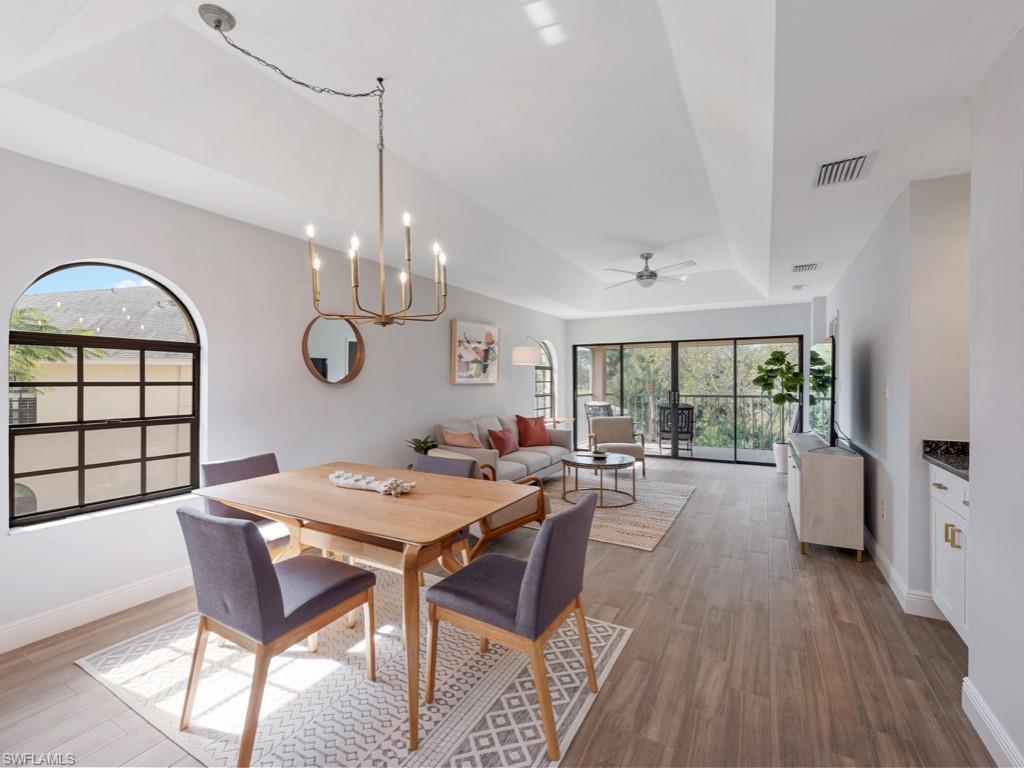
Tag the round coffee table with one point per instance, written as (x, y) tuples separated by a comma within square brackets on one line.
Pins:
[(612, 462)]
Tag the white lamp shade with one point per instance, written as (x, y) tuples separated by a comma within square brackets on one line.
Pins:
[(530, 355)]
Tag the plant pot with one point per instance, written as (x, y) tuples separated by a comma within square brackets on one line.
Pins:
[(781, 457)]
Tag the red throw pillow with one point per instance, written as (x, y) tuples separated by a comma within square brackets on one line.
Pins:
[(503, 440), (532, 431)]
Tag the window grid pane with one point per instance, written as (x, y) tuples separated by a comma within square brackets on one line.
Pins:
[(93, 466)]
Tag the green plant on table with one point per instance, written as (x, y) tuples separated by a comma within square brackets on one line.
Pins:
[(423, 445)]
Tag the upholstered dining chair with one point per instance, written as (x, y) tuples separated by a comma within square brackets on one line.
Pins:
[(514, 516), (616, 434), (275, 534), (452, 467), (264, 608), (520, 604)]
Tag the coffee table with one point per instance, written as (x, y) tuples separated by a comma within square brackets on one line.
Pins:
[(612, 462)]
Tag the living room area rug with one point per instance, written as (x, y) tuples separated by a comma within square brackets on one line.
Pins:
[(319, 708), (641, 525)]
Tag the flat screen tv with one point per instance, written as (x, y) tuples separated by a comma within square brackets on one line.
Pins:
[(823, 390)]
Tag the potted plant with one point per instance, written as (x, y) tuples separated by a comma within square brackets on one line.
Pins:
[(779, 378), (423, 445)]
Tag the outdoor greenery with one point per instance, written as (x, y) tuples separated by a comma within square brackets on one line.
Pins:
[(24, 359), (705, 381)]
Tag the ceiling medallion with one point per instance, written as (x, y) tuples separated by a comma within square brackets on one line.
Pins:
[(222, 21)]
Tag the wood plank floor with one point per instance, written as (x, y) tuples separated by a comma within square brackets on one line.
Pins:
[(744, 653)]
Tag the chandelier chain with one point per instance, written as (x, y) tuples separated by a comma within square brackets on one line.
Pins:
[(378, 91)]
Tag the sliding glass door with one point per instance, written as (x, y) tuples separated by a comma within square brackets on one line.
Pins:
[(689, 399), (707, 410)]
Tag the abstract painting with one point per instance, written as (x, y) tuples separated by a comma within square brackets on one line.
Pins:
[(474, 352)]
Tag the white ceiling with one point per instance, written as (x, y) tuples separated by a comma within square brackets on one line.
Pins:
[(690, 128)]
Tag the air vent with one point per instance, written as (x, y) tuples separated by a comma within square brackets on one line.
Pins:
[(805, 267), (841, 171)]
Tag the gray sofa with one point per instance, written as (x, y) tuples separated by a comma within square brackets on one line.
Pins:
[(541, 461)]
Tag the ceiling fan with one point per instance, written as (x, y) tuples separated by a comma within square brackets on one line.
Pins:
[(647, 277)]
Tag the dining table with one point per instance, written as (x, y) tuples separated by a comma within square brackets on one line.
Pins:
[(403, 533)]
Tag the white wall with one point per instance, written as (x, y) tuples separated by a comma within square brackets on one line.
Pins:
[(772, 320), (995, 566), (902, 369), (249, 289), (871, 355)]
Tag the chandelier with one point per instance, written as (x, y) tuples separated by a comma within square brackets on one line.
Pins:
[(223, 22)]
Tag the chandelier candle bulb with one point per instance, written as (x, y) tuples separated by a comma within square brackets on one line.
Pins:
[(314, 264), (407, 222)]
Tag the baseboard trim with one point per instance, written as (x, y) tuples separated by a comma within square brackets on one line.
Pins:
[(993, 734), (56, 620), (912, 601)]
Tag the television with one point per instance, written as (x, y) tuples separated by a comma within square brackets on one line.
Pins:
[(822, 382)]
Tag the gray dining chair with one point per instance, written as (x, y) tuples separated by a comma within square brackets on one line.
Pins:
[(442, 465), (520, 604), (275, 534), (264, 608)]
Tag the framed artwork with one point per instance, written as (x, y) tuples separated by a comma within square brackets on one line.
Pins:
[(474, 352)]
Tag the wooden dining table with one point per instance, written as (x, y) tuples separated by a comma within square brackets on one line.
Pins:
[(403, 534)]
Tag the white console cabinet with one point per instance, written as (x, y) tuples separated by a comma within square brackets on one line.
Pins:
[(949, 499), (826, 493)]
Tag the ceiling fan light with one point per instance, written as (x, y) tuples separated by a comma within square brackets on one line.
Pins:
[(646, 281)]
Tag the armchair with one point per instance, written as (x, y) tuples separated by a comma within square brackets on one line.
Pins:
[(615, 434)]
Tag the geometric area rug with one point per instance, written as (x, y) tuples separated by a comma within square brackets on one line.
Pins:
[(319, 708), (641, 525)]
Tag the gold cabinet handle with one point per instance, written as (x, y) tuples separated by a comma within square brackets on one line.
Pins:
[(952, 538), (940, 486), (945, 531)]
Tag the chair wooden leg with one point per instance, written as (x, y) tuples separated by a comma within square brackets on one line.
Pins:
[(588, 659), (193, 675), (371, 644), (252, 715), (485, 645), (423, 579), (432, 627), (547, 713), (350, 619), (464, 551), (313, 642)]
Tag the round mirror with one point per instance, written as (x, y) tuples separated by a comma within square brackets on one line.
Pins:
[(333, 350)]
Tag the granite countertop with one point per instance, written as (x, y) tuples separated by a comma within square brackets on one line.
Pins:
[(951, 455)]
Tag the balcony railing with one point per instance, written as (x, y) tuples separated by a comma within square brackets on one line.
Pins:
[(758, 422)]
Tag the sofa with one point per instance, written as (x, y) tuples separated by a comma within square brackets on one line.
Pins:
[(541, 461)]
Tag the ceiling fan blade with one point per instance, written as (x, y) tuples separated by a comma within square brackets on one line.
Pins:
[(685, 264), (619, 285), (623, 271), (672, 279)]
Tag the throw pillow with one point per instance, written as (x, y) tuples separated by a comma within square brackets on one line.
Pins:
[(503, 440), (532, 431), (461, 439)]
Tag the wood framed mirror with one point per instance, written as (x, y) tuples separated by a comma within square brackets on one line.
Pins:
[(333, 349)]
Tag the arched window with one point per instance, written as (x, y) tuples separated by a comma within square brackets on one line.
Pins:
[(544, 382), (103, 393)]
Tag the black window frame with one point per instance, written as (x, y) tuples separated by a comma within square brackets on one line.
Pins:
[(81, 426), (544, 374)]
